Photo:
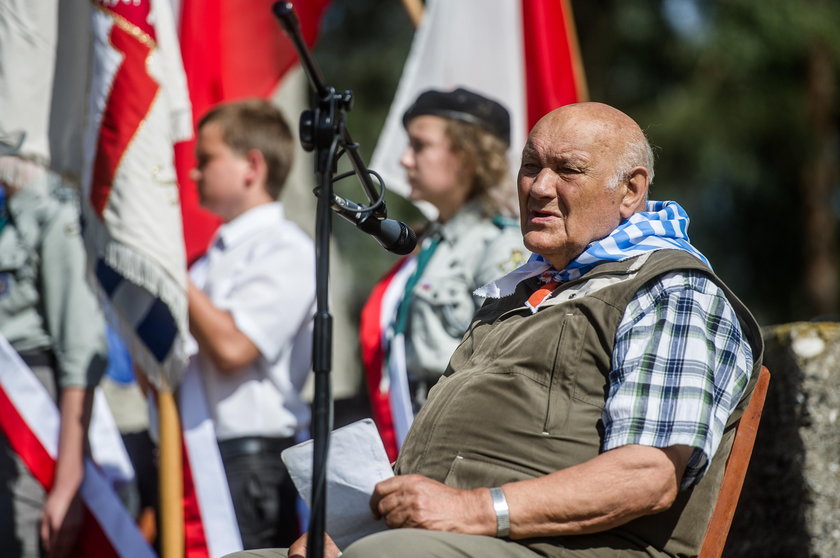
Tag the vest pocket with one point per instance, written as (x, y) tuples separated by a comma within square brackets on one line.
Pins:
[(470, 470), (554, 401), (564, 368)]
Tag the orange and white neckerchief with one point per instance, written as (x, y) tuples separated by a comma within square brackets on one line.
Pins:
[(542, 293)]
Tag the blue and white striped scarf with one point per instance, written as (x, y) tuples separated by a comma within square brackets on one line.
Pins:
[(663, 226)]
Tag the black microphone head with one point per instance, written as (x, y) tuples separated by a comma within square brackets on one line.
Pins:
[(392, 235), (406, 242)]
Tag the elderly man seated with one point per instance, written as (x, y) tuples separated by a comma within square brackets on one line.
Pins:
[(586, 411)]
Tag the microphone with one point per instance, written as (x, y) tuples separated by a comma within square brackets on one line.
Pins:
[(394, 236)]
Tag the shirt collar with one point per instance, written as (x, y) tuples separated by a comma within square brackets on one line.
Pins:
[(464, 220), (234, 232)]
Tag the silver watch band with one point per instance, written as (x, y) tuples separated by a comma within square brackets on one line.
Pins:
[(500, 506)]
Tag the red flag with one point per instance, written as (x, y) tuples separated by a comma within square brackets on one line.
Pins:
[(231, 50), (523, 54), (553, 70)]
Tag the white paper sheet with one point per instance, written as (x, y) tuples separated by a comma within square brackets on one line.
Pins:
[(356, 462)]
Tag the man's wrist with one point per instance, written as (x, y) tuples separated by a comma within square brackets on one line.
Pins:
[(502, 511)]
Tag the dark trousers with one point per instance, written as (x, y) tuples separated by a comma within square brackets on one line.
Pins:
[(264, 497), (21, 496)]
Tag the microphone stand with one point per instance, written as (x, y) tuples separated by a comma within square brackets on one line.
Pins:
[(323, 130)]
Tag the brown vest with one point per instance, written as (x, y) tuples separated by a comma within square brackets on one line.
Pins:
[(524, 393)]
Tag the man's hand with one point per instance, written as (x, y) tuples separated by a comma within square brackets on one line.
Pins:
[(61, 520), (61, 517), (298, 548), (420, 502)]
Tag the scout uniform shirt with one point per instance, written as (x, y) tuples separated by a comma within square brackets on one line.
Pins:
[(45, 302), (470, 250)]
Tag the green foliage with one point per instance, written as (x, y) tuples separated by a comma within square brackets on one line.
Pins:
[(728, 108)]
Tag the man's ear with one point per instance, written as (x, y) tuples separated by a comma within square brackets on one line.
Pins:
[(635, 193)]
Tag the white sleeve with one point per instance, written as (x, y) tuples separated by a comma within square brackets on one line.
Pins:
[(274, 294)]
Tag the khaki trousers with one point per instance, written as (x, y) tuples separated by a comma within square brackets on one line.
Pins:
[(419, 543), (416, 543)]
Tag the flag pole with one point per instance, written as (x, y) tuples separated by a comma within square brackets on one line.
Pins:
[(414, 8), (170, 484), (574, 46)]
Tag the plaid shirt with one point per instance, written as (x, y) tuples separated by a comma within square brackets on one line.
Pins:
[(680, 366)]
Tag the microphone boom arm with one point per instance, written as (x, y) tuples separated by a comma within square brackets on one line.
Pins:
[(334, 125)]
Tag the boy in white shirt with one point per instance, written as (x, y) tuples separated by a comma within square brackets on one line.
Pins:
[(251, 302)]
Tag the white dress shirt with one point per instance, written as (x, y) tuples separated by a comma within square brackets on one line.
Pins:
[(261, 268)]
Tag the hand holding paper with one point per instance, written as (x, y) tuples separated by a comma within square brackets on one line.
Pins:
[(356, 463), (418, 502)]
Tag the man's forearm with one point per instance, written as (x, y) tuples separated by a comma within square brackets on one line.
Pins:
[(216, 333), (62, 515), (605, 492), (75, 407)]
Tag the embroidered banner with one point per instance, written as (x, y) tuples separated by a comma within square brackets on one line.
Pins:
[(138, 109)]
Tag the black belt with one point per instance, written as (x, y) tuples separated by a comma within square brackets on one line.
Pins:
[(37, 357), (251, 445)]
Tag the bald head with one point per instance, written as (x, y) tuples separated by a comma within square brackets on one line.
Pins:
[(585, 168), (618, 132)]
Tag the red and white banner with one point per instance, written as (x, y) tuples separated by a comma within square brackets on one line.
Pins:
[(138, 109), (30, 420), (522, 53), (28, 35)]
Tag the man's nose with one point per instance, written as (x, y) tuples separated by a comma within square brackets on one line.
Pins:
[(195, 175), (544, 185)]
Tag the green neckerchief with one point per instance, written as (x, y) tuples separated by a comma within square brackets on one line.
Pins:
[(430, 245)]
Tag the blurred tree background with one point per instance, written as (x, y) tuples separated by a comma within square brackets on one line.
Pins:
[(738, 97)]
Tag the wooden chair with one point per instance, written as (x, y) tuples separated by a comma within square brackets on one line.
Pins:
[(736, 469)]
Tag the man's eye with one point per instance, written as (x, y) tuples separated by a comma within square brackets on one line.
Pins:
[(530, 168)]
